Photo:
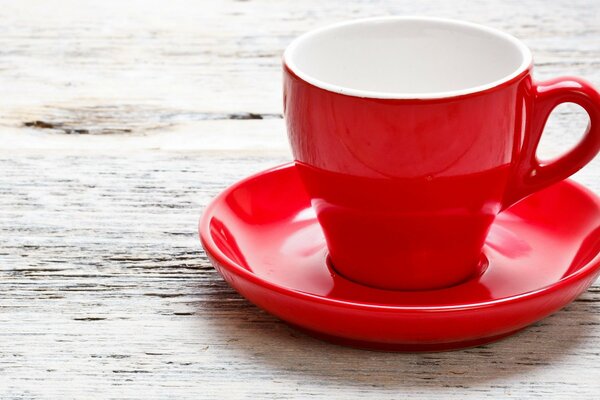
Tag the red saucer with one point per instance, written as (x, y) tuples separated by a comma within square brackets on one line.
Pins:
[(262, 236)]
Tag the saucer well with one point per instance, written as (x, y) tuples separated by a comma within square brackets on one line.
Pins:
[(262, 235)]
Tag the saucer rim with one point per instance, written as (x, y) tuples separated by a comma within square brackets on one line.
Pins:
[(213, 251)]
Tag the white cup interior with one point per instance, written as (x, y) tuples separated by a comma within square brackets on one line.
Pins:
[(406, 57)]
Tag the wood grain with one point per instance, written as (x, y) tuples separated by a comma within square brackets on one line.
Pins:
[(119, 121)]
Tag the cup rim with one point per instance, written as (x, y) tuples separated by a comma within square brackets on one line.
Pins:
[(526, 62)]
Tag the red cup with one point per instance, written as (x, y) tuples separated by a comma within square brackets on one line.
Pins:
[(412, 134)]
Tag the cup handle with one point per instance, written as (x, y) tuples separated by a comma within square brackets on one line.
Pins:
[(529, 175)]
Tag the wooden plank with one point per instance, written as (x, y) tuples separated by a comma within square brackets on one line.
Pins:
[(105, 290), (128, 66)]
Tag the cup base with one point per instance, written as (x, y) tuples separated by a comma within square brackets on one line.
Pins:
[(482, 266)]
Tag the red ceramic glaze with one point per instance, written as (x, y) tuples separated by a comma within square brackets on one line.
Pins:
[(406, 189), (263, 237), (407, 185)]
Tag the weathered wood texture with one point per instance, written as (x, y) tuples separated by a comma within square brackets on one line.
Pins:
[(120, 120)]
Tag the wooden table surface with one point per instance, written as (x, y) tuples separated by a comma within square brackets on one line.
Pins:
[(120, 120)]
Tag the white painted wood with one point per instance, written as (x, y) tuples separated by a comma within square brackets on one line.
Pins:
[(119, 120)]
